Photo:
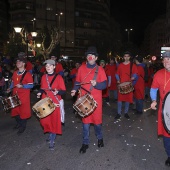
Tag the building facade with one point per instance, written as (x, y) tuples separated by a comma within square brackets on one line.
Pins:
[(82, 23)]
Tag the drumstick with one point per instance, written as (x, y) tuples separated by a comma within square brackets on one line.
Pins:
[(147, 109), (83, 83)]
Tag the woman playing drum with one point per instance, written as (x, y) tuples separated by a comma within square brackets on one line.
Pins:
[(52, 123)]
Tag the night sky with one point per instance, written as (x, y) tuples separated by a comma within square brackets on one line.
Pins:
[(136, 14)]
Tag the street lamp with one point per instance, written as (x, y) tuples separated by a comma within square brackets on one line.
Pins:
[(128, 31), (38, 45)]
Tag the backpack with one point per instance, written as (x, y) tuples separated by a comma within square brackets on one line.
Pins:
[(146, 76)]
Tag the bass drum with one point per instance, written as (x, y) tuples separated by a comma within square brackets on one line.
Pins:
[(166, 112)]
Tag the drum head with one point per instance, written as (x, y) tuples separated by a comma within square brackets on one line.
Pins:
[(125, 83), (166, 112)]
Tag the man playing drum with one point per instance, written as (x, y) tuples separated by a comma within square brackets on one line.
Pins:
[(52, 123), (22, 82), (161, 82), (126, 72), (93, 79)]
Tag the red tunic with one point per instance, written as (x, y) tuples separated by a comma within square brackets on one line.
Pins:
[(161, 81), (150, 77), (124, 73), (139, 92), (28, 66), (24, 110), (96, 116), (105, 92), (73, 72), (112, 69), (52, 123)]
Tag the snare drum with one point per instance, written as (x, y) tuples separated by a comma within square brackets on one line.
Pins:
[(44, 107), (166, 112), (85, 105), (125, 87), (11, 102)]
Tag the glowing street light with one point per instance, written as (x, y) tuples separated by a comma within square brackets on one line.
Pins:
[(128, 31)]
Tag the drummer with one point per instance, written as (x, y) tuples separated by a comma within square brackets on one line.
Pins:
[(52, 123), (22, 82), (95, 75), (125, 75), (161, 82)]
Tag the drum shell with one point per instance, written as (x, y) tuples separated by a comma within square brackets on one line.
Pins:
[(11, 102), (44, 107), (166, 112), (85, 105), (125, 87)]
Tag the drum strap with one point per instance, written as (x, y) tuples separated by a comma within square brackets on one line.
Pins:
[(53, 80), (131, 65), (95, 76), (23, 76)]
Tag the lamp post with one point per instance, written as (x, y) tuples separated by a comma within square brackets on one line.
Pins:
[(59, 15), (128, 31)]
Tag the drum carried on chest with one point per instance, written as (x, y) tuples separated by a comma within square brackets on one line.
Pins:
[(11, 102), (166, 112), (85, 105), (125, 87), (44, 107)]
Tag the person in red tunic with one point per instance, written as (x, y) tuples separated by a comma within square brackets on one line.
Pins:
[(123, 75), (52, 123), (112, 66), (105, 92), (58, 67), (139, 92), (149, 82), (73, 75), (95, 80), (161, 82), (22, 82), (73, 72)]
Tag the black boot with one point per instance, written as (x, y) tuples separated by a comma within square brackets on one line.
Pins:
[(83, 148), (23, 126), (100, 143), (167, 162), (18, 120)]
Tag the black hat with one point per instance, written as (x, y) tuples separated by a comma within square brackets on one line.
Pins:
[(23, 59), (91, 50)]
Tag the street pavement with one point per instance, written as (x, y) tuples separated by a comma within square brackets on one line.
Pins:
[(128, 144)]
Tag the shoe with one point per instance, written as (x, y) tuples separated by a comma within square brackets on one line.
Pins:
[(167, 162), (118, 116), (83, 148), (51, 146), (127, 116), (108, 103), (17, 126), (100, 143), (21, 130)]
